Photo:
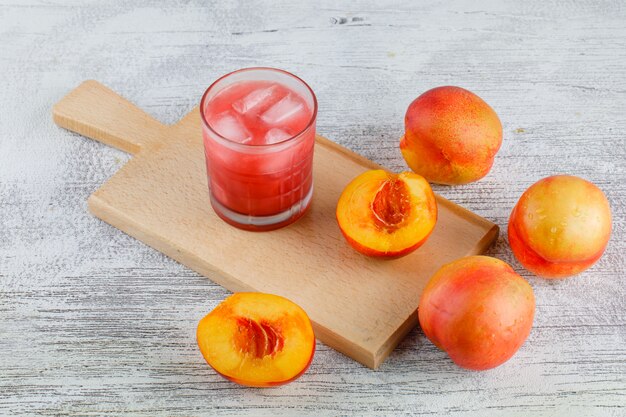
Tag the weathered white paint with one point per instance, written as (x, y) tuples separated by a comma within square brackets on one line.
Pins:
[(93, 322)]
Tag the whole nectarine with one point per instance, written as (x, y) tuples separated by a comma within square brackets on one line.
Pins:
[(257, 339), (387, 215), (478, 310), (560, 226), (451, 136)]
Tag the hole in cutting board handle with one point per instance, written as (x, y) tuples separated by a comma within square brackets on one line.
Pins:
[(97, 112)]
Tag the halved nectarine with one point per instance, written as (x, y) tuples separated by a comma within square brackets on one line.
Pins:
[(387, 215), (256, 339)]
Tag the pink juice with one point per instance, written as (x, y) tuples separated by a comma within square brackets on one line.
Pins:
[(259, 153)]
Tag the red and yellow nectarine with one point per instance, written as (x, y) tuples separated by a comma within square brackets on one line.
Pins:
[(257, 339), (560, 226), (478, 310), (387, 215), (451, 136)]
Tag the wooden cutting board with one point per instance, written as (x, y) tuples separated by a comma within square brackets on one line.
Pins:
[(360, 306)]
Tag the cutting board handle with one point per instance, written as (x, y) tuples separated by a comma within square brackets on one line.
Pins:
[(95, 111)]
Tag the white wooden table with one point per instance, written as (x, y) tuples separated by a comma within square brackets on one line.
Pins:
[(93, 322)]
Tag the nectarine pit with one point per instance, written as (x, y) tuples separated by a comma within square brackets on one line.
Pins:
[(391, 205), (258, 339)]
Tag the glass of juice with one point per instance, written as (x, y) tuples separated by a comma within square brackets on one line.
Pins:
[(258, 126)]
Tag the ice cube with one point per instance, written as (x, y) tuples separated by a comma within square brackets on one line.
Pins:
[(283, 110), (275, 135), (255, 99), (228, 125)]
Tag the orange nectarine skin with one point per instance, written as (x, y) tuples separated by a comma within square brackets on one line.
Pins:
[(478, 310), (560, 226), (258, 340), (451, 136), (387, 215)]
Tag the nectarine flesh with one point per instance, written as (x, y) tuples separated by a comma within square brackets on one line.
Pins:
[(389, 215), (257, 339), (451, 136), (478, 310), (560, 226)]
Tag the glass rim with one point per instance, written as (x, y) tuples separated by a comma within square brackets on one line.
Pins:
[(263, 145)]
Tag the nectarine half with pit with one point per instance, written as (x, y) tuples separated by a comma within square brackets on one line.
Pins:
[(257, 339), (451, 136), (478, 310), (387, 215), (560, 226)]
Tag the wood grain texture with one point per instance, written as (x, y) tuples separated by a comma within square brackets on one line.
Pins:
[(94, 323), (359, 306), (96, 112)]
